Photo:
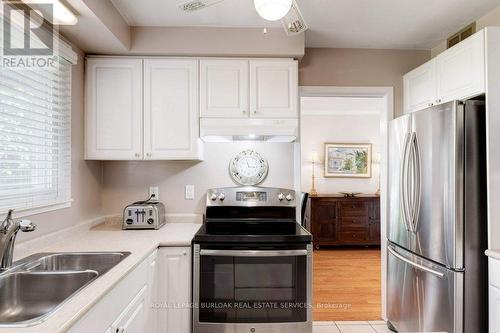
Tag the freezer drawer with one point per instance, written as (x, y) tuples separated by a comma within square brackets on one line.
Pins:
[(423, 296)]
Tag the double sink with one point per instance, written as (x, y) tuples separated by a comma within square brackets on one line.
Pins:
[(36, 286)]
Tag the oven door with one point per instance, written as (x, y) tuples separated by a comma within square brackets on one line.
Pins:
[(252, 290)]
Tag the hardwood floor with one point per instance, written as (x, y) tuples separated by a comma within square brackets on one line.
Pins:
[(346, 284)]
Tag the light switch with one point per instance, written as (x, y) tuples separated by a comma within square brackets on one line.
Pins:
[(189, 195)]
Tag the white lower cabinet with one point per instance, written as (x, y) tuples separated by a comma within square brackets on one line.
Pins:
[(155, 298), (494, 294), (122, 310), (134, 318), (153, 290), (174, 290), (494, 308)]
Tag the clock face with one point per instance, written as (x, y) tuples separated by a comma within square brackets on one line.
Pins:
[(248, 168)]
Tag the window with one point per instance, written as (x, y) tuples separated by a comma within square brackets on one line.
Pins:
[(35, 137)]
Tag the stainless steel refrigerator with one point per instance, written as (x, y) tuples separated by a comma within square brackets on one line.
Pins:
[(437, 233)]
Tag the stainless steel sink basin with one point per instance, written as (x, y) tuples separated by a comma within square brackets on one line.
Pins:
[(37, 285), (100, 262), (24, 295)]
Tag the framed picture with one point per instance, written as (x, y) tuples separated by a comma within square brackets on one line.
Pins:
[(348, 160)]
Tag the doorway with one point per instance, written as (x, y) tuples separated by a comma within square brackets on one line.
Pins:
[(344, 142)]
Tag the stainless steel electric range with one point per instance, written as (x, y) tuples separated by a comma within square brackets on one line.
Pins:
[(252, 264)]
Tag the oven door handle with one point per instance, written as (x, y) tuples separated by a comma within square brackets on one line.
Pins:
[(253, 253)]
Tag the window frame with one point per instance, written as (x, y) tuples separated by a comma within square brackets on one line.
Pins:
[(64, 51)]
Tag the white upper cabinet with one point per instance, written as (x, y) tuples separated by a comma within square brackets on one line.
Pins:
[(224, 88), (113, 109), (171, 119), (456, 74), (461, 70), (420, 88), (273, 88)]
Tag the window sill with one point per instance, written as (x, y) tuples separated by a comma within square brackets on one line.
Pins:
[(18, 213)]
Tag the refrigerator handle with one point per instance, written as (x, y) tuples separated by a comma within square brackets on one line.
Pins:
[(404, 182), (414, 264), (416, 183)]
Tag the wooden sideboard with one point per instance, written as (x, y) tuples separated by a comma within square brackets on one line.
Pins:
[(337, 220)]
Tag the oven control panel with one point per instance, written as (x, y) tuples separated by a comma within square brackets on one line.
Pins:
[(248, 196)]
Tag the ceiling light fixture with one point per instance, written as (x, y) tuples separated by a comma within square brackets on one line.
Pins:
[(63, 15), (272, 10), (61, 12)]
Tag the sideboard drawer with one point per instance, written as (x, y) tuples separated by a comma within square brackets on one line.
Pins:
[(350, 223), (354, 237), (353, 209)]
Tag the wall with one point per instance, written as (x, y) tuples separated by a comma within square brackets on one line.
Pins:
[(490, 19), (360, 67), (85, 175), (356, 128), (216, 42), (126, 182)]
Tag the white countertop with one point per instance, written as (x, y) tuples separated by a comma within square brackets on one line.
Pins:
[(104, 237)]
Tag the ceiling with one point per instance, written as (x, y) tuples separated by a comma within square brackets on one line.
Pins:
[(399, 24)]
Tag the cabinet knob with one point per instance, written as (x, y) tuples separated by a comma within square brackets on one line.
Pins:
[(254, 111), (148, 154), (244, 111), (137, 155), (439, 100), (184, 253)]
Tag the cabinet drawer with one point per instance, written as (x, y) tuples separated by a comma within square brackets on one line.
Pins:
[(353, 209), (349, 223), (353, 237)]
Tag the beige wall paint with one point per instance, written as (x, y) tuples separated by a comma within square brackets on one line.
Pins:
[(126, 182), (490, 19), (112, 19), (85, 175), (220, 42), (356, 128), (360, 67)]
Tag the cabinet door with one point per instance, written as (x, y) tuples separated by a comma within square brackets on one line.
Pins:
[(224, 88), (171, 120), (420, 89), (174, 289), (152, 283), (134, 318), (273, 88), (461, 70), (324, 220), (113, 115), (374, 222), (494, 309)]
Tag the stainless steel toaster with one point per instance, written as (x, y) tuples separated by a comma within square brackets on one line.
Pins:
[(148, 214)]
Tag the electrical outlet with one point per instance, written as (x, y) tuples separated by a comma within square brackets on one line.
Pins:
[(189, 195), (154, 190)]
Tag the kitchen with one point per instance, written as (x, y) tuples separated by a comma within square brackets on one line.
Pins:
[(108, 133)]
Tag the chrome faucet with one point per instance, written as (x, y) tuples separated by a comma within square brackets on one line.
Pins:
[(8, 232)]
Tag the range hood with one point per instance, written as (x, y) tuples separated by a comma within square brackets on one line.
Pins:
[(245, 129)]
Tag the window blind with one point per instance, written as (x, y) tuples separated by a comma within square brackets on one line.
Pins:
[(35, 137)]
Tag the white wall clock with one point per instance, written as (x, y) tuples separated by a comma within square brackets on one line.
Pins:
[(248, 168)]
